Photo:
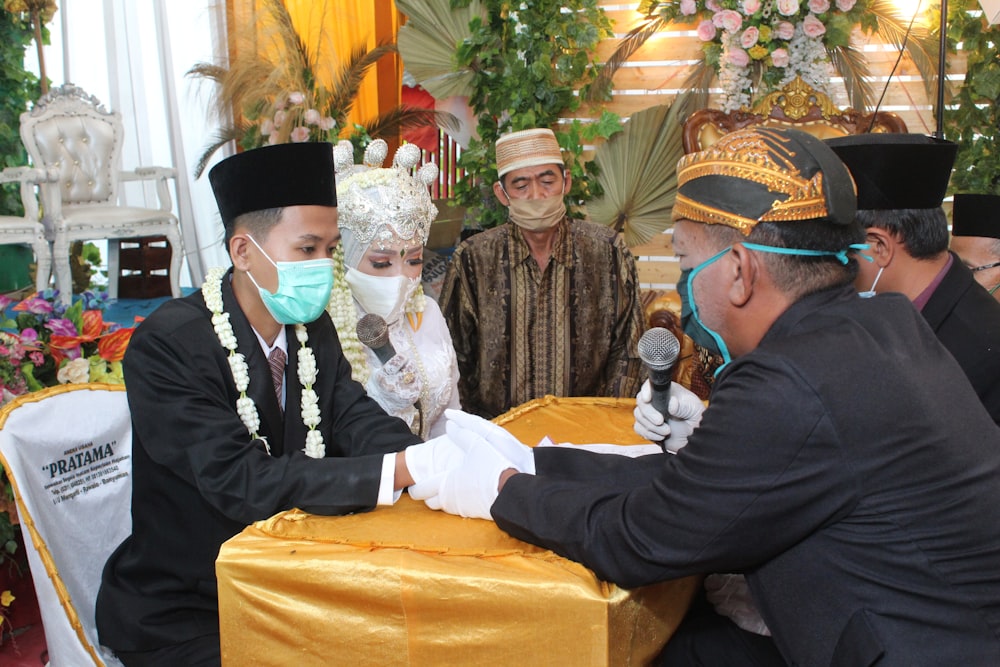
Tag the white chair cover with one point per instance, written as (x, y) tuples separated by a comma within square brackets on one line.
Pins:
[(68, 453)]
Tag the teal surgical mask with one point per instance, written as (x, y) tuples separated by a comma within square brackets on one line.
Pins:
[(711, 340), (691, 321), (303, 289)]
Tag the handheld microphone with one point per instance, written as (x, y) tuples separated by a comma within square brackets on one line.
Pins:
[(374, 332), (658, 350)]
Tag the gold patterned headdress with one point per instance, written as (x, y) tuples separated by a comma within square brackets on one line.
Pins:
[(764, 175), (382, 205)]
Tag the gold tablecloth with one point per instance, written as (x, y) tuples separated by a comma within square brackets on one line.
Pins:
[(409, 586)]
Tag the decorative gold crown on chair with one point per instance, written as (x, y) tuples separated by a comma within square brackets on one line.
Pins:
[(380, 204)]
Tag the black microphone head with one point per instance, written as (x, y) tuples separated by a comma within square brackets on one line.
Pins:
[(373, 331), (658, 349)]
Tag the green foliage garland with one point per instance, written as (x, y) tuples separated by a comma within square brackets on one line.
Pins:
[(972, 119), (530, 60), (16, 87)]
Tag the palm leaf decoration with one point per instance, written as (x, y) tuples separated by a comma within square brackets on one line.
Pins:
[(273, 64), (637, 170), (428, 42), (848, 62)]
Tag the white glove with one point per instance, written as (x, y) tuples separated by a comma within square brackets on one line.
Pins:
[(499, 438), (684, 408), (730, 595), (428, 462), (396, 385), (470, 489)]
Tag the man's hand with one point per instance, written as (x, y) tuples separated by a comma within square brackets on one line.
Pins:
[(500, 438), (684, 408), (470, 489), (428, 462)]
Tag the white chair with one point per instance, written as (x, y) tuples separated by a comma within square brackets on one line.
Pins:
[(28, 229), (71, 132), (67, 451)]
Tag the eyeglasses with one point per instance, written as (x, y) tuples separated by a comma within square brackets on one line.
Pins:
[(984, 267)]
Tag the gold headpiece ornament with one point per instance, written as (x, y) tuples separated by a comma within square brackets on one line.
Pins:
[(764, 175), (382, 205)]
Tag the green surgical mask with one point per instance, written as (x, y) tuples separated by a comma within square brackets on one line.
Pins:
[(303, 289)]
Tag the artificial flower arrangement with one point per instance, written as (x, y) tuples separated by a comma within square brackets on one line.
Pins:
[(294, 119), (758, 46), (44, 343)]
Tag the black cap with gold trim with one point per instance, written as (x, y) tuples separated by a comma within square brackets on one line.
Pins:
[(764, 175)]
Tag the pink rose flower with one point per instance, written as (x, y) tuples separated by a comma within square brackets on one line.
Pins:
[(784, 30), (311, 117), (846, 5), (819, 6), (267, 127), (688, 7), (729, 20), (713, 6), (37, 358), (300, 134), (749, 37), (751, 7), (327, 123), (812, 26), (780, 57), (738, 57), (296, 98), (788, 7), (706, 31)]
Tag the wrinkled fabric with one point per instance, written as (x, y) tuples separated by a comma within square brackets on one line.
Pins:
[(521, 333)]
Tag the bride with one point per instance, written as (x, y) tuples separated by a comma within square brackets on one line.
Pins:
[(385, 216)]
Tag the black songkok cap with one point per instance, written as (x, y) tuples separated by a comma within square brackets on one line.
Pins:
[(764, 174), (976, 215), (274, 177), (897, 171)]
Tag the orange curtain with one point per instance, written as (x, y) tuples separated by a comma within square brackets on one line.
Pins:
[(342, 25)]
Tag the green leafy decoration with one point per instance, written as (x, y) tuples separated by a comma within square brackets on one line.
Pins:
[(529, 62), (972, 119)]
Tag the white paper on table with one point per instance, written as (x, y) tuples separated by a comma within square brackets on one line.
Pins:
[(632, 451)]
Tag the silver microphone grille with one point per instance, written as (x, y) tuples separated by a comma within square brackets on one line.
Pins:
[(658, 348), (373, 331)]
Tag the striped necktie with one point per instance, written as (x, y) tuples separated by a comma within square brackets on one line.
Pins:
[(277, 362)]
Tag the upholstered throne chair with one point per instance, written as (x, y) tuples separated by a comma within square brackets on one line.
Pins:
[(797, 105), (71, 133)]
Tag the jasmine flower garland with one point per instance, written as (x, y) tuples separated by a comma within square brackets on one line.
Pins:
[(212, 292)]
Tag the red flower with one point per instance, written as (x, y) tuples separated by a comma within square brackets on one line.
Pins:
[(112, 346)]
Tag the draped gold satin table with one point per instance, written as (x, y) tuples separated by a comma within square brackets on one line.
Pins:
[(410, 586)]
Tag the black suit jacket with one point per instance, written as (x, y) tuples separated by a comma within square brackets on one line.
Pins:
[(966, 319), (197, 478), (845, 466)]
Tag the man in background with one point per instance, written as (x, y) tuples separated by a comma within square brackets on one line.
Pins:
[(542, 304), (975, 237), (902, 180)]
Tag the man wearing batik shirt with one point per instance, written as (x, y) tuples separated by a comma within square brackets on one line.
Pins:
[(542, 304)]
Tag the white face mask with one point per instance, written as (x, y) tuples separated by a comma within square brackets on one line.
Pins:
[(385, 296), (870, 293)]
